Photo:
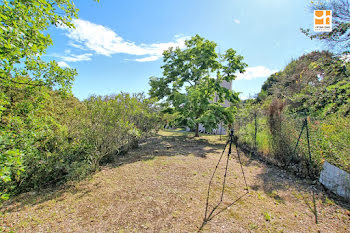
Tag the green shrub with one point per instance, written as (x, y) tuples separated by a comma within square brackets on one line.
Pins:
[(330, 140), (52, 138), (328, 136)]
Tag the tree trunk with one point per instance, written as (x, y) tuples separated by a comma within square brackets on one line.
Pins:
[(197, 130)]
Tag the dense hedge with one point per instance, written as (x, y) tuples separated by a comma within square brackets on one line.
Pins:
[(47, 137)]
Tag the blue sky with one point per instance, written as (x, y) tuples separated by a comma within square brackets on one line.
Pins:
[(117, 45)]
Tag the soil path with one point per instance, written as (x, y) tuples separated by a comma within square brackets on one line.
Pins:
[(161, 187)]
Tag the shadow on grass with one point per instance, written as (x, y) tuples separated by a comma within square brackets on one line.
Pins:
[(175, 143), (171, 143), (36, 198), (167, 143), (275, 179)]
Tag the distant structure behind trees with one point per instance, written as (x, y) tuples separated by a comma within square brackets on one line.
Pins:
[(187, 92), (221, 128)]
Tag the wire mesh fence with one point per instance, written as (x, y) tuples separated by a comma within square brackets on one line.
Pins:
[(298, 142)]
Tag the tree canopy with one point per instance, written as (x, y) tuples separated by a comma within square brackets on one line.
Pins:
[(191, 83), (27, 82), (317, 82), (23, 40)]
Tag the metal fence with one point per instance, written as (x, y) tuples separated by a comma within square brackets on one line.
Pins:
[(298, 142)]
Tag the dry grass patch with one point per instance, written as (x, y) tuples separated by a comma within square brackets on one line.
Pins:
[(161, 186)]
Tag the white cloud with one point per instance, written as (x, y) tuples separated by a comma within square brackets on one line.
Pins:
[(63, 64), (255, 72), (105, 41), (76, 58), (147, 59), (71, 43), (237, 21)]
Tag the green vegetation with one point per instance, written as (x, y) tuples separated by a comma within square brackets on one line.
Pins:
[(153, 188), (191, 95), (27, 83), (316, 84), (338, 39), (267, 216), (65, 138), (46, 134)]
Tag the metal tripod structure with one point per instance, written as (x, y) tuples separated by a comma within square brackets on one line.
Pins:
[(210, 215)]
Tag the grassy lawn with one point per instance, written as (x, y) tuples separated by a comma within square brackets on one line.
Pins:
[(161, 186)]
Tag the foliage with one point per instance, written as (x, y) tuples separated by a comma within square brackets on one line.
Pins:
[(189, 88), (330, 141), (48, 136), (280, 136), (316, 84), (67, 138), (23, 41), (338, 38), (267, 216), (26, 81), (113, 123), (30, 132)]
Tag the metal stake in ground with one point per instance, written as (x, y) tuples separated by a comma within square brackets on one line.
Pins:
[(305, 125), (211, 215)]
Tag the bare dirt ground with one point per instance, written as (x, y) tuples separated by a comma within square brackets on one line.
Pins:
[(162, 187)]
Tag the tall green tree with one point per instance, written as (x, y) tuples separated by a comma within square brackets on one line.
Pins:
[(23, 40), (26, 82), (191, 85)]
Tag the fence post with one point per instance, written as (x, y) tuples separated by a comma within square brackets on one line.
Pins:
[(256, 131), (308, 142)]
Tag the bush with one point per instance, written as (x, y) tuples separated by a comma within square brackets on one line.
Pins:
[(330, 141), (54, 138), (278, 132), (114, 123), (317, 84)]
